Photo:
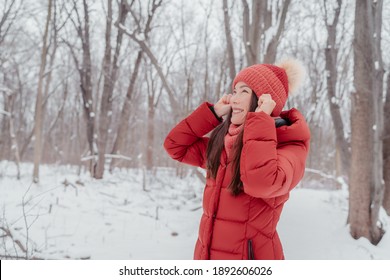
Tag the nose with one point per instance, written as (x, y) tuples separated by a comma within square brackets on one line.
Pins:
[(234, 99)]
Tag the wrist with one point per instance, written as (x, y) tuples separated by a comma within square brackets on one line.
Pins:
[(212, 108)]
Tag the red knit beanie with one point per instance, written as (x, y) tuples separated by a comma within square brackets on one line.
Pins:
[(277, 80)]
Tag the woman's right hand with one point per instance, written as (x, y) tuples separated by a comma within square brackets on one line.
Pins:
[(222, 107)]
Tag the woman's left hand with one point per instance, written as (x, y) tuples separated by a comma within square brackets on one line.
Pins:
[(265, 104)]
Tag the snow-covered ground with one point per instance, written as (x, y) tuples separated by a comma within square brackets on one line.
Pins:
[(115, 218)]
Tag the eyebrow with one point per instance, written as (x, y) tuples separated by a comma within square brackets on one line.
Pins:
[(242, 87)]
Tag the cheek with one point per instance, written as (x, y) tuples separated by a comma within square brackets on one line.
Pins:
[(248, 104)]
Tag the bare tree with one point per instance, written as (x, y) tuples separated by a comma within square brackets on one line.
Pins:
[(142, 42), (53, 46), (38, 107), (221, 78), (229, 41), (331, 61), (188, 64), (9, 15), (15, 55), (153, 98), (125, 114), (26, 143), (206, 42), (59, 116), (271, 48), (366, 184), (264, 17), (9, 98), (110, 69), (84, 68)]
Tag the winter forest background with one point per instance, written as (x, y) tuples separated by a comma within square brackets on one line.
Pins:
[(89, 90)]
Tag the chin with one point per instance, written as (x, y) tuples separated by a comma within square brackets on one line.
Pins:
[(237, 122)]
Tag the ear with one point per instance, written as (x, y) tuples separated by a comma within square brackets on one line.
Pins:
[(295, 73)]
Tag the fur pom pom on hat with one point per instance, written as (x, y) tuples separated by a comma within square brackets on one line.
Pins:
[(278, 80)]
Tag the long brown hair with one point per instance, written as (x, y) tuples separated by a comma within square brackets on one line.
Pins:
[(216, 145)]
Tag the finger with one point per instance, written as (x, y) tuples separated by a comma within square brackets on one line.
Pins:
[(227, 99), (223, 99), (260, 101), (229, 96), (265, 96)]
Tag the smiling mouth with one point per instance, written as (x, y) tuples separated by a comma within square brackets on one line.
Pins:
[(237, 111)]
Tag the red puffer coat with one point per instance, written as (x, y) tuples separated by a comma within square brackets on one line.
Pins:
[(272, 163)]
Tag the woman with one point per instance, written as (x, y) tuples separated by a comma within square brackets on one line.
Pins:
[(252, 163)]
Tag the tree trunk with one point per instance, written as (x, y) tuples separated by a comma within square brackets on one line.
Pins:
[(366, 170), (106, 102), (255, 31), (85, 73), (3, 132), (15, 146), (270, 54), (8, 112), (331, 52), (386, 149), (252, 31), (378, 72), (52, 56), (206, 42), (54, 124), (110, 76), (150, 138), (86, 87), (229, 42), (125, 114), (38, 106)]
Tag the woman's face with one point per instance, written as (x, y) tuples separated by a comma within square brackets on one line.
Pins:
[(240, 102)]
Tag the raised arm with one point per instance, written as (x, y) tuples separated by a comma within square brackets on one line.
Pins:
[(268, 170), (186, 142)]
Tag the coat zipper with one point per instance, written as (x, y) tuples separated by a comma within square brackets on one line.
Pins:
[(251, 255)]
